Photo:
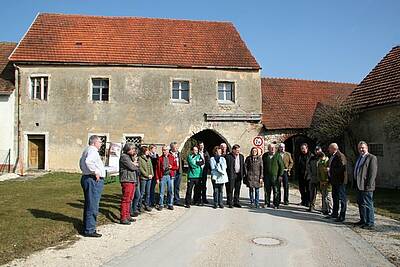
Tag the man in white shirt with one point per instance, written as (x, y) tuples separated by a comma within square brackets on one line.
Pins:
[(92, 183)]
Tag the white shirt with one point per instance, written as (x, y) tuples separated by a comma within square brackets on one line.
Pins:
[(91, 163)]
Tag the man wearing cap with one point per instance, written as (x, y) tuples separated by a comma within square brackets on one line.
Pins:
[(288, 163)]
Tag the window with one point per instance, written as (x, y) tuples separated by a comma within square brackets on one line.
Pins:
[(226, 91), (39, 87), (100, 89), (102, 150), (180, 90), (136, 140), (376, 149)]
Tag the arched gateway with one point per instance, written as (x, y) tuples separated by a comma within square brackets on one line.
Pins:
[(210, 137)]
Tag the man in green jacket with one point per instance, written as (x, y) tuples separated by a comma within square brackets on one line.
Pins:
[(194, 176), (273, 171)]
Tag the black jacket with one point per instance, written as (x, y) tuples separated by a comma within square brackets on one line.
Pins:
[(230, 163)]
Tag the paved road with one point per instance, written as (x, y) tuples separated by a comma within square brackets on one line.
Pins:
[(223, 237)]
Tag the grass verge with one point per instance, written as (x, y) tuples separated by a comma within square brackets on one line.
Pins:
[(42, 212)]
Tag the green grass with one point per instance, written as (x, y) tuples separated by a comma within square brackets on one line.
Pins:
[(386, 201), (42, 212)]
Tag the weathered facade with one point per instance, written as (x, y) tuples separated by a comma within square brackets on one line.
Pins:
[(7, 107), (378, 97), (61, 105)]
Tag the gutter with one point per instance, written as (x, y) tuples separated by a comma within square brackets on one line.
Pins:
[(20, 159)]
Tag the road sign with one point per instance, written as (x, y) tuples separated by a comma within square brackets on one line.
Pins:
[(258, 141)]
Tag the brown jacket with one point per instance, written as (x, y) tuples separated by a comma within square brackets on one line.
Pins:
[(337, 169), (287, 161), (254, 171)]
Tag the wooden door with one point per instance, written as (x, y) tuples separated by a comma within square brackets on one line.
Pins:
[(36, 152)]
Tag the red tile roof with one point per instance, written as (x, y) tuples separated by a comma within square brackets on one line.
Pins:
[(381, 86), (133, 41), (6, 69), (291, 103)]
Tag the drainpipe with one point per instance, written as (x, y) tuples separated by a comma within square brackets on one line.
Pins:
[(20, 158)]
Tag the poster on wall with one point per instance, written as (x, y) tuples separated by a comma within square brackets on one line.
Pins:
[(114, 153)]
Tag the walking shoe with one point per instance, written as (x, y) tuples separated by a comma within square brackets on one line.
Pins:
[(221, 206), (125, 222), (368, 227), (230, 206), (132, 219), (340, 219), (215, 206), (206, 202), (237, 205), (171, 207), (325, 213), (277, 207), (359, 223), (147, 209), (159, 208), (135, 214), (94, 234), (285, 203)]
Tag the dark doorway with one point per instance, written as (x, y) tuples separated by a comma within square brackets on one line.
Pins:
[(210, 138), (36, 151), (292, 144)]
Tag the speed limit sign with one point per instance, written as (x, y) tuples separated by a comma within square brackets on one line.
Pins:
[(258, 141)]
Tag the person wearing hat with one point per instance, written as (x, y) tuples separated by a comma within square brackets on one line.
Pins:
[(288, 163)]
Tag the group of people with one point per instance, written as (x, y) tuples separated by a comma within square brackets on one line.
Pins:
[(141, 172)]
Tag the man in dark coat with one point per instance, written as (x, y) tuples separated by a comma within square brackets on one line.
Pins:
[(301, 174), (273, 169), (365, 171), (236, 172), (337, 172), (205, 170)]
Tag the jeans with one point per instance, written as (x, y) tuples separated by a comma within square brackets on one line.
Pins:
[(153, 199), (366, 207), (126, 199), (166, 181), (339, 197), (177, 187), (218, 193), (92, 190), (285, 183), (196, 183), (275, 185), (314, 187), (254, 200), (145, 185), (136, 199)]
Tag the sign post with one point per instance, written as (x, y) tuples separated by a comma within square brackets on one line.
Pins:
[(258, 142)]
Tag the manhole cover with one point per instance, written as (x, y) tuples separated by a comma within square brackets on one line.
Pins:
[(268, 241)]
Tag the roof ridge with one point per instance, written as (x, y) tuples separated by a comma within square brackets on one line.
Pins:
[(133, 17), (305, 80)]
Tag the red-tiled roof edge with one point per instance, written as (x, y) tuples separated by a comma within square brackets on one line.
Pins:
[(305, 80), (257, 67), (22, 38)]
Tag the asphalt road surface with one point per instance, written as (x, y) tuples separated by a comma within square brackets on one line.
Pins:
[(289, 236)]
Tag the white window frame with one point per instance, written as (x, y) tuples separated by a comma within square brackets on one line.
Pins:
[(108, 77), (46, 148), (36, 76), (225, 101), (180, 100)]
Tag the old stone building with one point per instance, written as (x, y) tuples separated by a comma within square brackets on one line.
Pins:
[(7, 107), (289, 106), (378, 99), (131, 79)]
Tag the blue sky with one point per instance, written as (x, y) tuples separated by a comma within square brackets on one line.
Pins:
[(319, 40)]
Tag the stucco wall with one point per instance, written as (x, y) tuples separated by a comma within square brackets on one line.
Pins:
[(7, 127), (369, 127), (139, 103)]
